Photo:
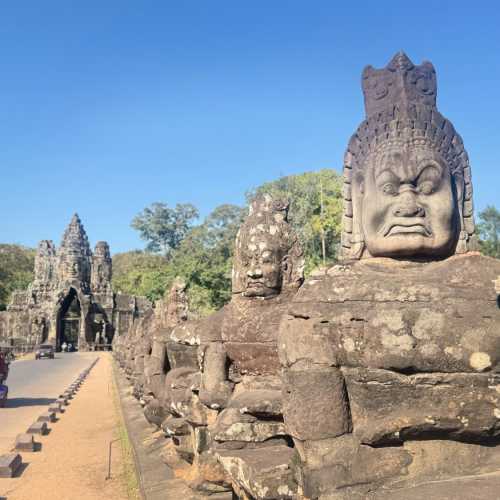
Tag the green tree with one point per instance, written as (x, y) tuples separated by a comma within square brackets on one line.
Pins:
[(315, 211), (202, 254), (162, 227), (16, 270), (489, 231), (140, 273), (203, 258), (222, 225)]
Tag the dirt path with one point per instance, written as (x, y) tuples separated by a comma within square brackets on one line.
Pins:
[(33, 385), (74, 457)]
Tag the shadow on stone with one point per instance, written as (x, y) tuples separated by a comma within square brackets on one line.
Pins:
[(19, 472), (23, 402)]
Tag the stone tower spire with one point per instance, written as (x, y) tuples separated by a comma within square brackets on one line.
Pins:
[(74, 253)]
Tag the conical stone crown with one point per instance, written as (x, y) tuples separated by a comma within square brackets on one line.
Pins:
[(75, 235), (400, 84), (74, 253)]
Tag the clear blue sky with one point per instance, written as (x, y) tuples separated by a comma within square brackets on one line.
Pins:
[(108, 106)]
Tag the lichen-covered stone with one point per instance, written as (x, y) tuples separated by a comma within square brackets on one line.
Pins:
[(262, 473), (309, 414), (232, 425)]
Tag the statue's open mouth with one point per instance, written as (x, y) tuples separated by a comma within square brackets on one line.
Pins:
[(397, 229)]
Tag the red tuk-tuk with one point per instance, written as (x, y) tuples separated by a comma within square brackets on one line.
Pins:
[(4, 373)]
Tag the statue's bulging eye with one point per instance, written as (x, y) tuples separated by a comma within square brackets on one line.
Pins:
[(426, 187), (390, 189)]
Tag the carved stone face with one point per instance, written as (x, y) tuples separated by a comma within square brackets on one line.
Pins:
[(74, 270), (263, 269), (408, 205)]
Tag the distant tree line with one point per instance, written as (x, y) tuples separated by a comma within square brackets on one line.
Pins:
[(315, 213), (201, 253), (489, 231), (16, 270), (202, 256)]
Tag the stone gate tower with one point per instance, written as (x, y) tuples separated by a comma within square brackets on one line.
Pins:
[(71, 298)]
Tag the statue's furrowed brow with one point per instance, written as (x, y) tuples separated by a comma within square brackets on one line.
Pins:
[(387, 174), (428, 163), (389, 160)]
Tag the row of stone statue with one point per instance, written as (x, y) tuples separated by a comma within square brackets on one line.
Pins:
[(369, 378)]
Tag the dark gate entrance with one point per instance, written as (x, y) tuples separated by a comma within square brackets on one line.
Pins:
[(69, 320)]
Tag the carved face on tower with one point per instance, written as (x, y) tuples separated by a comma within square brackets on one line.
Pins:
[(408, 203), (408, 190), (267, 256)]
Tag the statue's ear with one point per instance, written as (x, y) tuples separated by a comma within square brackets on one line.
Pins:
[(285, 268), (458, 180), (458, 185), (359, 182), (284, 263), (357, 194)]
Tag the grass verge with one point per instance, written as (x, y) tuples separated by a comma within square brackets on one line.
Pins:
[(130, 479)]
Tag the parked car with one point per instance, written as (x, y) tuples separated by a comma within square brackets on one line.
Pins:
[(44, 351)]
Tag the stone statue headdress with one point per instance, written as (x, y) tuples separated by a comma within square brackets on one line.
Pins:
[(266, 228), (400, 104)]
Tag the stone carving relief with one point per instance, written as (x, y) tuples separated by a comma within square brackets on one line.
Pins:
[(407, 180)]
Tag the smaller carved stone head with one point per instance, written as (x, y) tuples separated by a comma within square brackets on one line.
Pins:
[(177, 303), (268, 257)]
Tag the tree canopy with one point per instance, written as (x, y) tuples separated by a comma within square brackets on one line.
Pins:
[(489, 231), (16, 270), (140, 273), (315, 211), (202, 254), (203, 258), (162, 227)]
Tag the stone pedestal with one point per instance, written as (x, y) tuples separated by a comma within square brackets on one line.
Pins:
[(10, 463), (392, 374), (48, 416), (25, 442), (38, 428)]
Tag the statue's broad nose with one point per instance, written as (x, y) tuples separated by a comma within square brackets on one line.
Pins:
[(254, 272), (409, 211), (408, 207)]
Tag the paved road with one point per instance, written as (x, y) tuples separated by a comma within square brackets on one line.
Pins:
[(33, 385)]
